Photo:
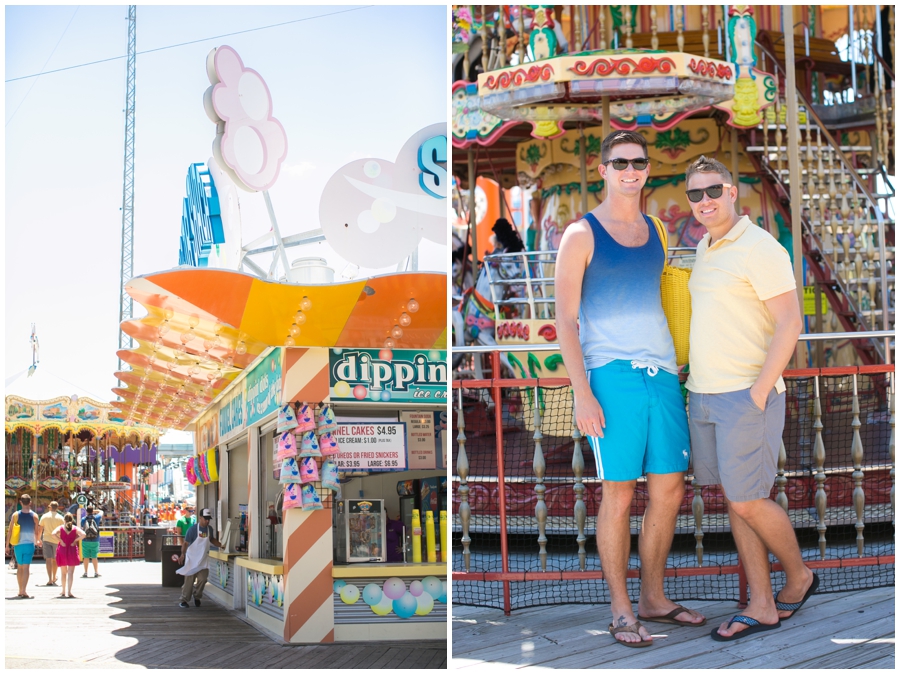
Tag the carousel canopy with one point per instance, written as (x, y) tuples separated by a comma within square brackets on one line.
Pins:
[(44, 401), (204, 326), (43, 385)]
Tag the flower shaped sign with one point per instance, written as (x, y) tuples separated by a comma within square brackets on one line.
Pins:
[(250, 142)]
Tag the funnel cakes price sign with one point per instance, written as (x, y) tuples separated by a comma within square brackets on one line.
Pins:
[(386, 376), (371, 447)]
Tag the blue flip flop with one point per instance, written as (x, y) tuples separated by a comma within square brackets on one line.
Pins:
[(782, 606), (754, 627)]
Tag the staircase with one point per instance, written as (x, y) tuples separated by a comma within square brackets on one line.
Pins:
[(848, 228)]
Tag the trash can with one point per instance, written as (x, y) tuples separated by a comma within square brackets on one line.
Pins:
[(152, 544), (171, 546)]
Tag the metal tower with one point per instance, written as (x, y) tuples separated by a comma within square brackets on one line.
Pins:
[(127, 267)]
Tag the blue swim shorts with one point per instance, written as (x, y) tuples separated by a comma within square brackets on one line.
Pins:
[(24, 553), (646, 423)]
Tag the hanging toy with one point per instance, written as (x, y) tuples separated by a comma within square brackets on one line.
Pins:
[(287, 445), (287, 420), (305, 420), (290, 472), (329, 475), (309, 470), (190, 471), (328, 445), (325, 422), (309, 446), (292, 497), (310, 497)]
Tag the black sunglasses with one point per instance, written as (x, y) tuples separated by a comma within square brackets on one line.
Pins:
[(620, 164), (713, 191)]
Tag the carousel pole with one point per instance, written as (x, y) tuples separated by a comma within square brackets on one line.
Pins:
[(583, 167), (604, 102), (473, 223), (793, 147)]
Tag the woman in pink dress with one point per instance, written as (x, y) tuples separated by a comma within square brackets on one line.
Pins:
[(67, 552)]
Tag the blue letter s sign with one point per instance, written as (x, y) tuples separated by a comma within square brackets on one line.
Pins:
[(433, 176)]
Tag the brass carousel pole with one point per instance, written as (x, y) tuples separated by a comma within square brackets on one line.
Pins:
[(793, 148), (473, 229), (583, 167)]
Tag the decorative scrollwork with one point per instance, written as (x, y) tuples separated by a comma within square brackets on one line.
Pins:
[(625, 66), (710, 69), (519, 77)]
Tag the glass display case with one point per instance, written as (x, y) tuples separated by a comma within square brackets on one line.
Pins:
[(360, 530)]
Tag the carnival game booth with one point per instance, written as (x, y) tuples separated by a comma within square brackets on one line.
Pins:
[(308, 454), (77, 451)]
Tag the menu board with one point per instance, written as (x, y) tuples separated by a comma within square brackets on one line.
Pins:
[(372, 447)]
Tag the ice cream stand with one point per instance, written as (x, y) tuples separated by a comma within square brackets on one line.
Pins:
[(307, 397)]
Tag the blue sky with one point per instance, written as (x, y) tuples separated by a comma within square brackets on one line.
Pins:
[(347, 86)]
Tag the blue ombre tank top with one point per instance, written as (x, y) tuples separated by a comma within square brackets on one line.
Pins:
[(621, 316)]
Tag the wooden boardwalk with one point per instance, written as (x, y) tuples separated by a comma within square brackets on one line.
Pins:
[(833, 631), (125, 619)]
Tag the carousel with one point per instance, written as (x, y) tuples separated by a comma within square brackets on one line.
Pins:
[(73, 449)]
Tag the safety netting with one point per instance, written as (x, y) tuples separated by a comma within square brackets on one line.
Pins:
[(517, 429)]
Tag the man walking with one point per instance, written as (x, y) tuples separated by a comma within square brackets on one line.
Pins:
[(195, 558), (24, 524), (745, 323), (620, 358), (186, 521), (90, 544), (51, 521)]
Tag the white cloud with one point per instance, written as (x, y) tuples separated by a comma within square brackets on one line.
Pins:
[(301, 170)]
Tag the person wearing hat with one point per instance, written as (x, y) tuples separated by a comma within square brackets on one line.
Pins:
[(186, 521), (195, 558)]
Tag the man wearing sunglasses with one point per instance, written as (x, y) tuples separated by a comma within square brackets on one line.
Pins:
[(620, 357), (745, 321)]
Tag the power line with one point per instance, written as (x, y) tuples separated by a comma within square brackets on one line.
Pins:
[(182, 44), (42, 69)]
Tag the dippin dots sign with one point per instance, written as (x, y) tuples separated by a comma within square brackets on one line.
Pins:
[(370, 375)]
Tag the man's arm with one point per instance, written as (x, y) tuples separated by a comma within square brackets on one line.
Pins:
[(785, 309), (575, 250), (38, 530)]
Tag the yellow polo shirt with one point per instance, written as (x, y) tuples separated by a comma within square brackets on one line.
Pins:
[(731, 327), (51, 522)]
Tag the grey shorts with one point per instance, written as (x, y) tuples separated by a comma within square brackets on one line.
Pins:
[(49, 550), (734, 443)]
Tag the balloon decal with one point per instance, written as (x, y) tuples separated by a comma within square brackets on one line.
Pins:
[(393, 596)]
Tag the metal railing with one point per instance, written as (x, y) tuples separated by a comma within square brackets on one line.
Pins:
[(807, 476)]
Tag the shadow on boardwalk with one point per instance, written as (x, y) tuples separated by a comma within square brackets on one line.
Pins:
[(125, 619), (845, 630)]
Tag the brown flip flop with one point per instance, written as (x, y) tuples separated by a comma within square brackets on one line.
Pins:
[(635, 628), (669, 617)]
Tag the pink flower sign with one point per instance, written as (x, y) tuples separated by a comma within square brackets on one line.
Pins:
[(250, 142)]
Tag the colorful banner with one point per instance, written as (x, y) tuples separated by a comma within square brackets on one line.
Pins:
[(399, 376), (263, 387), (373, 447), (231, 413)]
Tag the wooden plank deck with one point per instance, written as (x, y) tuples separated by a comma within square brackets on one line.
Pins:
[(126, 620), (833, 631)]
